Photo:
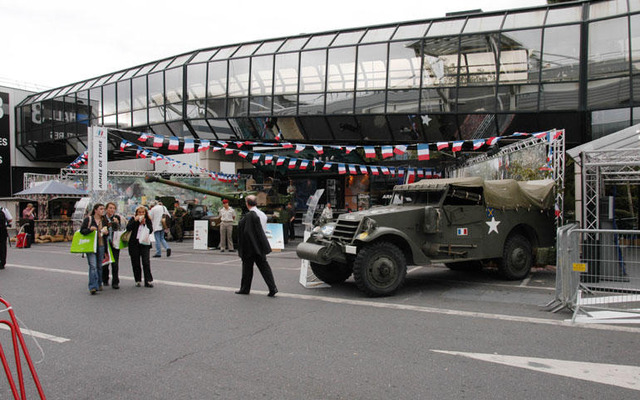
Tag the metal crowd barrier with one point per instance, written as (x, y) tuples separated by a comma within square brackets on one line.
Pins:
[(598, 273), (18, 344)]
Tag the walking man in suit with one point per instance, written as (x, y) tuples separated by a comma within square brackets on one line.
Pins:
[(253, 247)]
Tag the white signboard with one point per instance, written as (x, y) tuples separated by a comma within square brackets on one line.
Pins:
[(275, 236), (200, 235), (98, 158)]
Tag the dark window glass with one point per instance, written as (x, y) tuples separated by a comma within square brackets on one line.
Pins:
[(316, 128), (196, 81), (109, 99), (472, 99), (156, 89), (262, 75), (559, 96), (311, 104), (95, 97), (217, 79), (313, 71), (222, 128), (520, 56), (162, 129), (607, 93), (260, 105), (608, 48), (372, 67), (180, 129), (402, 101), (345, 128), (606, 122), (244, 128), (374, 128), (286, 74), (561, 58), (216, 108), (476, 126), (406, 128), (370, 102), (404, 65), (239, 77), (341, 69), (440, 61), (202, 129), (340, 103), (124, 96), (285, 105)]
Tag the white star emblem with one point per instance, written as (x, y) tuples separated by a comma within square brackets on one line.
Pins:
[(493, 225), (426, 120)]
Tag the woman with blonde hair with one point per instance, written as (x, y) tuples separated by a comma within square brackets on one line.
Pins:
[(141, 229)]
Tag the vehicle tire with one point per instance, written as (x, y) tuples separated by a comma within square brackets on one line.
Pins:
[(379, 269), (467, 266), (517, 258), (331, 273)]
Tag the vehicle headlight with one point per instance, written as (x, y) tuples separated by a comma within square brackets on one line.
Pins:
[(368, 226), (327, 230)]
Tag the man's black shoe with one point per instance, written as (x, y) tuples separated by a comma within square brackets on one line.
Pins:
[(241, 292), (168, 252), (272, 293), (115, 286), (156, 255)]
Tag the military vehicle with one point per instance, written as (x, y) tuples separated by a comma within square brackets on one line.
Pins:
[(461, 222)]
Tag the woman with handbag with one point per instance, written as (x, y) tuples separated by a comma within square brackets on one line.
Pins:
[(140, 227), (96, 221)]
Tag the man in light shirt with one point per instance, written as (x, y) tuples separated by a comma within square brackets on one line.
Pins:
[(227, 217), (156, 213)]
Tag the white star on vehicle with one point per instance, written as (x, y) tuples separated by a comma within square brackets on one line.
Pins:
[(426, 120), (493, 225)]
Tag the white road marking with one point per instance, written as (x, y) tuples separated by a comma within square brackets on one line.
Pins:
[(626, 376), (37, 334), (374, 304), (413, 269), (525, 281)]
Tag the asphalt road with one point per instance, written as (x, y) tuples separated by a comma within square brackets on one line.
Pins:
[(446, 335)]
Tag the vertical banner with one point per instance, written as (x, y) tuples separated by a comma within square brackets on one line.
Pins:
[(98, 158), (5, 150), (200, 235)]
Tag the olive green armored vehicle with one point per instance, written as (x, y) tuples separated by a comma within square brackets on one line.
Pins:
[(461, 222)]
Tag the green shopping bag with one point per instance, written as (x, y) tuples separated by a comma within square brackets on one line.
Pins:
[(108, 255), (84, 243)]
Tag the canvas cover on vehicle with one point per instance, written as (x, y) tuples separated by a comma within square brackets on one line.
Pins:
[(503, 194)]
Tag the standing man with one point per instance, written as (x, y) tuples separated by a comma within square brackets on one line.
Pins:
[(178, 217), (253, 247), (29, 216), (5, 220), (227, 216), (291, 222), (156, 213), (116, 223), (327, 214)]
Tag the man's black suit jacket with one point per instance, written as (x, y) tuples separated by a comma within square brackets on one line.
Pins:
[(252, 239)]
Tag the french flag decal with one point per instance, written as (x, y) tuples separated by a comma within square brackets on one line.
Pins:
[(463, 231)]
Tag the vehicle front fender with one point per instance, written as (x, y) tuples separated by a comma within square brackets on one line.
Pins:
[(413, 254)]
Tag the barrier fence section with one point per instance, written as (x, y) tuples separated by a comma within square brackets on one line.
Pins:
[(598, 274), (18, 344)]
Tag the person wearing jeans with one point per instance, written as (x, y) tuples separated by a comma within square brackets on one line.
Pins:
[(96, 222), (156, 213)]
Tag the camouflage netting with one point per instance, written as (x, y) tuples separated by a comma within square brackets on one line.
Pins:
[(503, 194)]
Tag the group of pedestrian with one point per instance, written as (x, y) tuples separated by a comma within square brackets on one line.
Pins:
[(107, 222)]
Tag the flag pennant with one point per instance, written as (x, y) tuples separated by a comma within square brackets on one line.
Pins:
[(442, 145), (143, 137), (243, 154), (216, 148), (411, 175), (400, 149), (423, 152), (256, 158), (341, 169), (188, 146), (457, 145), (268, 158), (138, 152), (420, 173), (281, 160), (287, 145), (300, 147), (352, 169), (541, 135), (392, 171), (492, 140), (124, 144), (174, 143), (478, 143), (387, 151), (292, 163), (304, 164), (204, 145), (374, 170), (327, 166), (400, 172), (319, 149), (349, 149), (385, 170), (279, 135), (158, 140), (369, 151), (363, 170), (228, 151), (223, 144)]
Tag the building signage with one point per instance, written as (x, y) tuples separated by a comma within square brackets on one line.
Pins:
[(5, 149), (98, 158)]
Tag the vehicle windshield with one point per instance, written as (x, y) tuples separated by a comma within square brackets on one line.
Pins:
[(417, 197)]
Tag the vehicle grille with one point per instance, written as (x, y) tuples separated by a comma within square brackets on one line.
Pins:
[(345, 230)]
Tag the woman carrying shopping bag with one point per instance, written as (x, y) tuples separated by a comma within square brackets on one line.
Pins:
[(141, 229), (96, 222)]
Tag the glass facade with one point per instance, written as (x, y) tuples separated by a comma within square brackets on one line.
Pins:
[(574, 66)]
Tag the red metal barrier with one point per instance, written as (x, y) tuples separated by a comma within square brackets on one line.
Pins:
[(18, 343)]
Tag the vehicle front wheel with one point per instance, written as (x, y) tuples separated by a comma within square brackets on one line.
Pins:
[(379, 269), (517, 258), (331, 273)]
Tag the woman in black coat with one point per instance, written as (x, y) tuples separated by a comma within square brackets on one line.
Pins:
[(139, 251)]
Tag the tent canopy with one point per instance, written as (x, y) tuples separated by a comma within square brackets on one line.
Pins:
[(52, 188)]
